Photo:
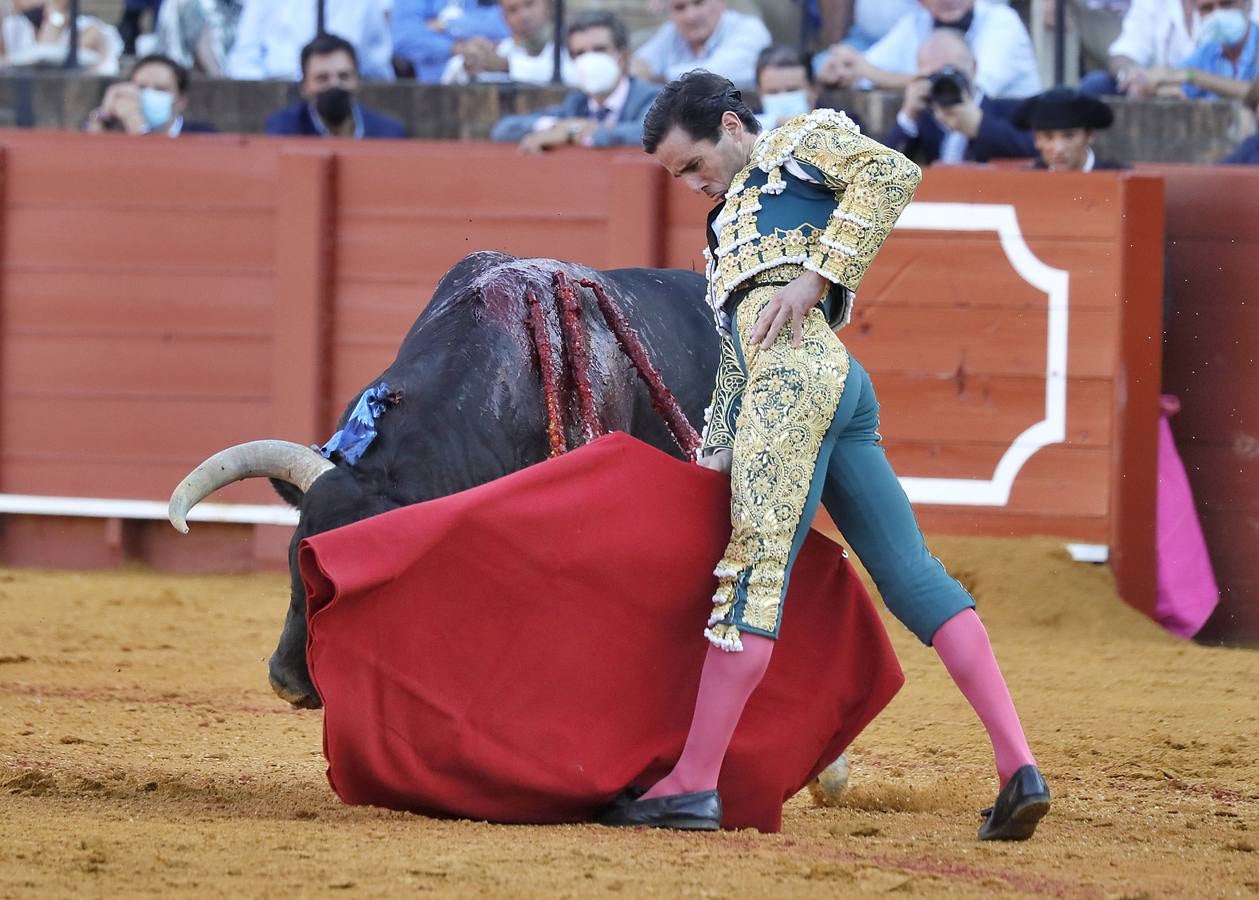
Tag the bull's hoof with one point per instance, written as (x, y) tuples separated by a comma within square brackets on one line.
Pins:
[(830, 785), (296, 699)]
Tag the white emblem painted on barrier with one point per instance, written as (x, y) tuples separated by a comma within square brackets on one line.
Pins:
[(1003, 219)]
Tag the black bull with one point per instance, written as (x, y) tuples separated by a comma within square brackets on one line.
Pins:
[(472, 407)]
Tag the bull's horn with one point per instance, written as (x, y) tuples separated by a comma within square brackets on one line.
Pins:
[(298, 465)]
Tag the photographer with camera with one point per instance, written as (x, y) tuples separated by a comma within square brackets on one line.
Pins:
[(945, 118)]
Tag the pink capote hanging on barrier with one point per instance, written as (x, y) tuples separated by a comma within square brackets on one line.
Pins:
[(1187, 591)]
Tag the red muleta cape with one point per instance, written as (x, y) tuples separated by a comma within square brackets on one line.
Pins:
[(522, 651)]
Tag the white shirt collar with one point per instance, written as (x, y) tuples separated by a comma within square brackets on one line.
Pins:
[(615, 101), (1089, 161)]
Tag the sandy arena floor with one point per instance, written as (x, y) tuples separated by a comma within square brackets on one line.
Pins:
[(142, 753)]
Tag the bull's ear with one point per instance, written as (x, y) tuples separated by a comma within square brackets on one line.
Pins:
[(289, 493)]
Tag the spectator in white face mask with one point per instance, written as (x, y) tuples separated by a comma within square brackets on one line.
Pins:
[(1226, 59), (784, 83), (608, 109), (152, 101)]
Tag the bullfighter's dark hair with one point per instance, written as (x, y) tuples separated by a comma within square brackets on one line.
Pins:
[(783, 56), (599, 18), (325, 45), (161, 59), (695, 103)]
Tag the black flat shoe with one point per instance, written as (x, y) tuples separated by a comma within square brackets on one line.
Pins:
[(1021, 804), (698, 811)]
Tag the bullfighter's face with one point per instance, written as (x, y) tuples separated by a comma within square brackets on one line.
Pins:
[(707, 167)]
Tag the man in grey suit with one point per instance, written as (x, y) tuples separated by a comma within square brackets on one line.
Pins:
[(607, 111)]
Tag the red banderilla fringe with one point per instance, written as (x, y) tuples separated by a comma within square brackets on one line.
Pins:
[(578, 355), (550, 378), (632, 346)]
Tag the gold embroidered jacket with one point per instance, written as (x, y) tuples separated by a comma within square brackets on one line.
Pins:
[(817, 194)]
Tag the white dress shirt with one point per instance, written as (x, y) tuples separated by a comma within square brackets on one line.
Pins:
[(1003, 49), (877, 17), (731, 50), (271, 34), (531, 68), (1155, 33)]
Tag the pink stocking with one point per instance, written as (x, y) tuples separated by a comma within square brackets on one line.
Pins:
[(725, 685), (963, 647)]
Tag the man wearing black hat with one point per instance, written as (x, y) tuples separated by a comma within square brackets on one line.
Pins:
[(1062, 122)]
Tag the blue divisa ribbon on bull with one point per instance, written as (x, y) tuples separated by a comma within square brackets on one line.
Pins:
[(359, 431)]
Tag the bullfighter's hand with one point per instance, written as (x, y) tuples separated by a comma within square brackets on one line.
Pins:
[(718, 460), (791, 303)]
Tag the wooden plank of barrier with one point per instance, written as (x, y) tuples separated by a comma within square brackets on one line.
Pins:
[(1212, 242), (302, 311), (636, 201), (1134, 462), (4, 313)]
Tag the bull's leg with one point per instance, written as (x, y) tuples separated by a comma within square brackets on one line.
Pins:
[(541, 336)]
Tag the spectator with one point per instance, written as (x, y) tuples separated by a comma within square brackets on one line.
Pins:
[(784, 82), (1063, 122), (330, 79), (1226, 60), (703, 34), (129, 27), (425, 32), (527, 55), (1246, 154), (152, 101), (271, 33), (998, 40), (943, 119), (610, 106), (39, 35), (1155, 33), (199, 33), (861, 24)]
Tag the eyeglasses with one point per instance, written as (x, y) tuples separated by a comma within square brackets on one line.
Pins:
[(1207, 8)]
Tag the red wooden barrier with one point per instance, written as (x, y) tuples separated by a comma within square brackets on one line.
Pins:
[(1209, 346), (162, 300)]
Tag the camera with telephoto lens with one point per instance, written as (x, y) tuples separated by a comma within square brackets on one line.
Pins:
[(949, 86)]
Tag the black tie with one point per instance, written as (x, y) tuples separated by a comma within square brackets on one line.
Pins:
[(963, 24)]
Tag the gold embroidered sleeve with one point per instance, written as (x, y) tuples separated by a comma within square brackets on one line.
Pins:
[(727, 397), (873, 183)]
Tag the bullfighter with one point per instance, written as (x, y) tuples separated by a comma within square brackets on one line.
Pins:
[(801, 212)]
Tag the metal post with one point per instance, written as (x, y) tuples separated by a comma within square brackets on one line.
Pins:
[(557, 41), (1060, 42), (72, 54), (320, 17)]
